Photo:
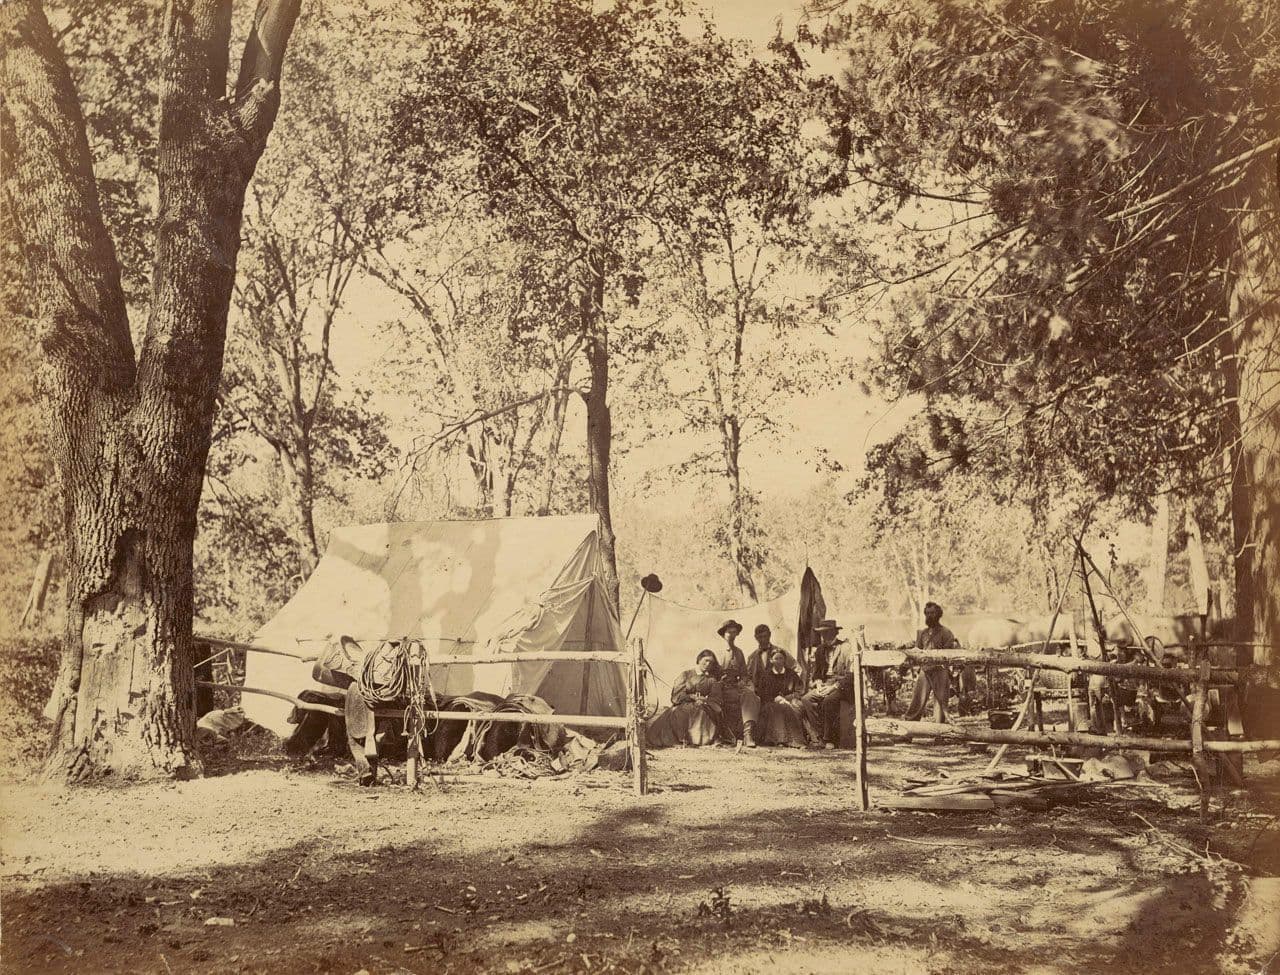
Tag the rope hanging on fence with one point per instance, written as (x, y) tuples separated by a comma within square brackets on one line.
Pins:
[(422, 695)]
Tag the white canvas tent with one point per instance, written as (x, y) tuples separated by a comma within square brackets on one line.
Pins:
[(462, 587)]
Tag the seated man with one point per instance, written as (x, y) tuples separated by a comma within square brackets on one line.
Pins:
[(779, 688), (934, 680), (832, 677)]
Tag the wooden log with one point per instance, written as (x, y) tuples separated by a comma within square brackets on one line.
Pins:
[(922, 729), (860, 732), (1000, 658), (948, 803), (300, 705)]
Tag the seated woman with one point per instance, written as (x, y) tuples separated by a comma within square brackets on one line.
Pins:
[(695, 708), (779, 688)]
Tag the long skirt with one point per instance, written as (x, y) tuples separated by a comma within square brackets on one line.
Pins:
[(781, 724), (682, 724)]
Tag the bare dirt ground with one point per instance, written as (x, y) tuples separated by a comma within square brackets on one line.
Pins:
[(750, 862)]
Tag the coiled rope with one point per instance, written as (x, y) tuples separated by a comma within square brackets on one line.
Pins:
[(384, 676)]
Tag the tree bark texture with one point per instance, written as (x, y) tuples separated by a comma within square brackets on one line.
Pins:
[(599, 422), (1252, 369), (130, 435)]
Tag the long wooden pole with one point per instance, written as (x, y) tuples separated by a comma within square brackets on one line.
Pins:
[(923, 729), (1199, 693), (214, 641), (516, 717), (635, 712), (301, 705), (1000, 658), (860, 730), (561, 656), (1146, 651)]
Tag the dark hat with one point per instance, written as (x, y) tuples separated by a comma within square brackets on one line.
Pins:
[(827, 625), (728, 623)]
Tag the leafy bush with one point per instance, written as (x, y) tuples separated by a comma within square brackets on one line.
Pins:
[(28, 668)]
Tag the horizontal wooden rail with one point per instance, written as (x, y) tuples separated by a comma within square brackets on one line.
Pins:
[(301, 705), (1042, 661), (545, 656), (925, 729), (216, 641), (516, 717)]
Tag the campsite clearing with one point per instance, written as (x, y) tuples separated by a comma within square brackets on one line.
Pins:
[(737, 862)]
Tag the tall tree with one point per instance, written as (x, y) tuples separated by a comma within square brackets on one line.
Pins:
[(485, 353), (1092, 185), (314, 206), (130, 431), (733, 241), (571, 122)]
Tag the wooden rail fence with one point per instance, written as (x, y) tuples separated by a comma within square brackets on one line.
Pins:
[(1200, 677), (632, 722)]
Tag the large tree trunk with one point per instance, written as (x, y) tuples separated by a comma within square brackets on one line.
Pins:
[(1251, 360), (130, 441), (599, 424), (737, 515)]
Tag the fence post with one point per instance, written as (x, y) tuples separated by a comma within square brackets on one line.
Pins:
[(1199, 694), (860, 729), (635, 716)]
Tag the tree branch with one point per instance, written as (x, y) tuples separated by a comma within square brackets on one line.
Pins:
[(51, 191)]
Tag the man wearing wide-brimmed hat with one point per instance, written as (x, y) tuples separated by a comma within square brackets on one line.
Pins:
[(832, 682), (741, 706)]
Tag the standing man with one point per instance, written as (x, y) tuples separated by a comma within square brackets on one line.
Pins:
[(832, 678), (741, 706), (934, 679), (760, 658)]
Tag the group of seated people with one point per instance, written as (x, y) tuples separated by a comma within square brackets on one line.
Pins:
[(764, 698), (731, 697)]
